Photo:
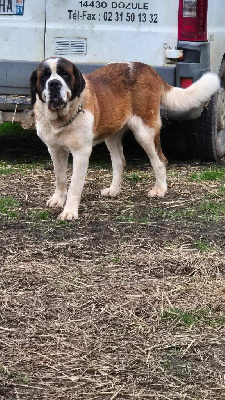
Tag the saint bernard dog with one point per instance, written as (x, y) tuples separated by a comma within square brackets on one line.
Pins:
[(73, 112)]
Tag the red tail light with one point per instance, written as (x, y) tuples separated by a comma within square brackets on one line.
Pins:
[(192, 20), (185, 82)]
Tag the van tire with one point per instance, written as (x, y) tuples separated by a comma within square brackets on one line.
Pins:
[(206, 137), (206, 128)]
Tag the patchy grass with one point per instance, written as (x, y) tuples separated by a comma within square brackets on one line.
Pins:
[(7, 129), (221, 191), (12, 168), (203, 317), (13, 375), (213, 174), (9, 206), (128, 302), (203, 246), (38, 214), (212, 210), (205, 211), (134, 178)]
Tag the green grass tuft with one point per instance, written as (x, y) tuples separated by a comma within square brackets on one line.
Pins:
[(202, 317), (8, 129), (203, 246), (213, 174), (211, 210), (134, 178), (221, 191), (39, 214), (8, 206), (12, 168)]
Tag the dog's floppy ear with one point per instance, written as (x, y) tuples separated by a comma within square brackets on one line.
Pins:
[(33, 86), (79, 83)]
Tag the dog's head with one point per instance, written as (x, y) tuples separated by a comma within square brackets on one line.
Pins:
[(56, 81)]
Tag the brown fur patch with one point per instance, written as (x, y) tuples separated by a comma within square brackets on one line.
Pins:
[(120, 91)]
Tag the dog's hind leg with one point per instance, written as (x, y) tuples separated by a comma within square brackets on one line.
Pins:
[(115, 148), (148, 137), (60, 161)]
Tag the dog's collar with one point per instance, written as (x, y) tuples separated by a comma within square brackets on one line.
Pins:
[(79, 110)]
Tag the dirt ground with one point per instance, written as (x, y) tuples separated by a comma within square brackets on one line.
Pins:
[(128, 302)]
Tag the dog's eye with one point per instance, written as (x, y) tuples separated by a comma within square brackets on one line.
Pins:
[(45, 77), (65, 75)]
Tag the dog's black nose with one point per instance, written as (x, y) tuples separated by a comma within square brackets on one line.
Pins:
[(54, 84)]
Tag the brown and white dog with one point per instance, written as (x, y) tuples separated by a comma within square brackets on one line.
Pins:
[(74, 112)]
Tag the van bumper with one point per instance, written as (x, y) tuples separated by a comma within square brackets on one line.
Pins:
[(195, 63)]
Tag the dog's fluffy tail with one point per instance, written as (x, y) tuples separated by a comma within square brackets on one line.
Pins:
[(179, 99)]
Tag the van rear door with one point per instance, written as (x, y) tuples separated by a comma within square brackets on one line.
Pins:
[(22, 28), (103, 31), (22, 32)]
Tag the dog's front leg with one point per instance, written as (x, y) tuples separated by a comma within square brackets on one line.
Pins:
[(80, 166), (60, 161)]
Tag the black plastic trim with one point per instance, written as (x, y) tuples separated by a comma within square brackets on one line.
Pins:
[(196, 60)]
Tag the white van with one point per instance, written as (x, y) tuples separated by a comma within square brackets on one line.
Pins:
[(181, 39)]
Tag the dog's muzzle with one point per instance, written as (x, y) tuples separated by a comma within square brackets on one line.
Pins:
[(55, 98)]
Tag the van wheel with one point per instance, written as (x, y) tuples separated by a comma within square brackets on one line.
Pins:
[(207, 137)]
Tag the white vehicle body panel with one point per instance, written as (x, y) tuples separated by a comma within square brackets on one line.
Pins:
[(118, 31), (103, 31), (216, 32), (22, 36)]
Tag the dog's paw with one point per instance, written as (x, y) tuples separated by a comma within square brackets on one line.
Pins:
[(56, 201), (110, 192), (157, 192), (68, 215)]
